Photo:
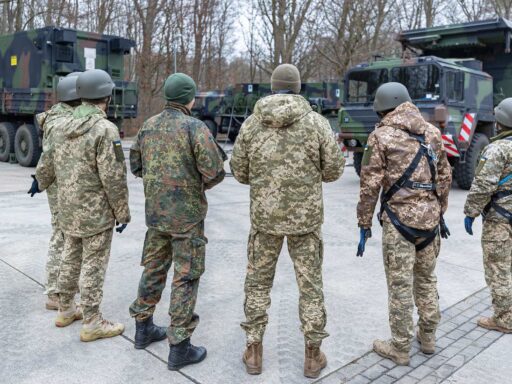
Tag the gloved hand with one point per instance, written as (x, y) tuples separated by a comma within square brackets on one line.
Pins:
[(120, 227), (468, 224), (445, 232), (35, 187), (364, 234)]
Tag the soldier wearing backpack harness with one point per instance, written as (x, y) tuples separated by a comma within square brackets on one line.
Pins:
[(491, 197), (405, 158)]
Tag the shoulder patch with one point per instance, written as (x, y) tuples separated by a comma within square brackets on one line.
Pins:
[(368, 150), (118, 150)]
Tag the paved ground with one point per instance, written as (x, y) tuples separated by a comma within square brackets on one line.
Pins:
[(33, 350)]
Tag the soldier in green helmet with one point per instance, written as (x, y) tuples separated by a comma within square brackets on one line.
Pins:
[(89, 168), (491, 197), (53, 123), (405, 158), (178, 160)]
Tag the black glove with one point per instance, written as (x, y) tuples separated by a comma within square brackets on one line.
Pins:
[(35, 187), (445, 232), (364, 234), (120, 227), (468, 224)]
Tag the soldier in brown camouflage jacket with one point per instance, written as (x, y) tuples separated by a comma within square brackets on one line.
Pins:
[(417, 207)]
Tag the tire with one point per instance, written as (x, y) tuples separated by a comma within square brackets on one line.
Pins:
[(7, 135), (26, 145), (358, 159), (232, 135), (212, 127), (465, 172)]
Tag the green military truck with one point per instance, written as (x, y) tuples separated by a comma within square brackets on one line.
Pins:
[(31, 64), (226, 112), (455, 74)]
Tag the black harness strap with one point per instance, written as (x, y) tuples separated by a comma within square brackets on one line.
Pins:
[(412, 234), (494, 205)]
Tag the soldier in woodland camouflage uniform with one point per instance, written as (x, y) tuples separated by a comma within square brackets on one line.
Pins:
[(417, 207), (92, 195), (284, 151), (491, 196), (53, 122), (179, 160)]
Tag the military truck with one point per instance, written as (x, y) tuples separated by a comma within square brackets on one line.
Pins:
[(455, 74), (226, 112), (31, 64)]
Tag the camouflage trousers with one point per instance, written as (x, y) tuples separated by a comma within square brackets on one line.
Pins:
[(306, 252), (84, 260), (497, 249), (410, 275), (161, 250), (55, 249)]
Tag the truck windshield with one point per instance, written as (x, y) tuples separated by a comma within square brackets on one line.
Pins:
[(422, 81), (363, 84)]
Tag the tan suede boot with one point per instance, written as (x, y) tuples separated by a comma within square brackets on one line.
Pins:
[(388, 351), (427, 341), (66, 318), (314, 361), (490, 323), (99, 328), (52, 302), (253, 358)]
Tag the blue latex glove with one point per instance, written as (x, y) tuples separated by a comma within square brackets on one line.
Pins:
[(364, 234), (468, 224), (120, 227), (35, 187)]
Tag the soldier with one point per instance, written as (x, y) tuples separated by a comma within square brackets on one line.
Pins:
[(405, 158), (90, 171), (491, 197), (178, 160), (284, 151), (53, 123)]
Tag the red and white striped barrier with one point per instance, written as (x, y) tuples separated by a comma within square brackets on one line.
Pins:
[(467, 126), (449, 146)]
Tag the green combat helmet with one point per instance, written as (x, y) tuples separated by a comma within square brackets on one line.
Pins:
[(94, 84), (66, 89), (389, 96), (503, 112)]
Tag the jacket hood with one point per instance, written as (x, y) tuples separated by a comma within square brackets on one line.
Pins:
[(84, 118), (57, 110), (281, 110), (406, 117)]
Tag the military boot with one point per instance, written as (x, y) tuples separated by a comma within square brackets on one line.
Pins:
[(146, 332), (427, 341), (52, 302), (314, 361), (183, 354), (64, 318), (253, 358), (388, 351), (490, 323), (99, 328)]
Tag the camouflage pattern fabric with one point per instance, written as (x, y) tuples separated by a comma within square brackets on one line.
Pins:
[(306, 252), (495, 164), (53, 123), (390, 151), (89, 257), (285, 151), (178, 159), (91, 173), (497, 249), (187, 252), (409, 275)]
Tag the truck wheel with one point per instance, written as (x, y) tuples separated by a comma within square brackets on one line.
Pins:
[(7, 134), (358, 158), (465, 172), (212, 127), (232, 135), (26, 145)]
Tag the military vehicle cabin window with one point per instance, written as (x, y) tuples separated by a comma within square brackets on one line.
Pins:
[(422, 81), (363, 84), (455, 85)]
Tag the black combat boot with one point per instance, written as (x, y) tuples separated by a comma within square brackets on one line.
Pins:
[(146, 332), (183, 354)]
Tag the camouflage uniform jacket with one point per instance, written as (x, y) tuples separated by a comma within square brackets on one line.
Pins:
[(495, 165), (389, 152), (91, 174), (52, 123), (284, 151), (178, 159)]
